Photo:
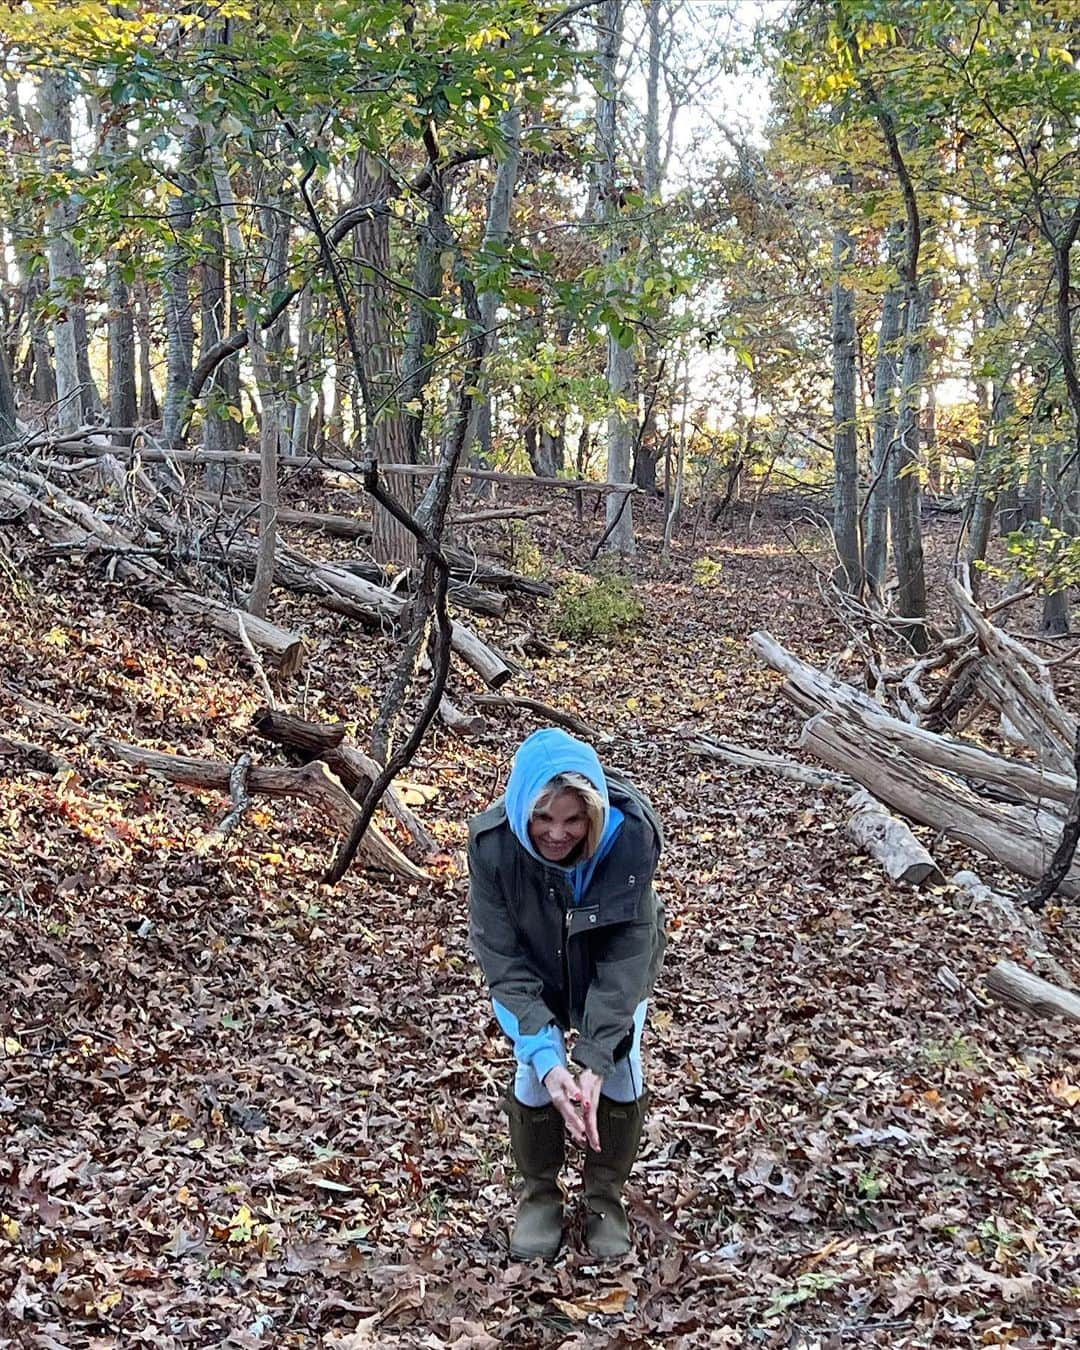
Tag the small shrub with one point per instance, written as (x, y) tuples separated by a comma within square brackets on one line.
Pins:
[(597, 607), (525, 555), (707, 571)]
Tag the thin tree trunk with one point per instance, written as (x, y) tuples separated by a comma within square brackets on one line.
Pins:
[(221, 430), (647, 449), (886, 379), (54, 104), (620, 354), (496, 232), (176, 292), (148, 404), (845, 431)]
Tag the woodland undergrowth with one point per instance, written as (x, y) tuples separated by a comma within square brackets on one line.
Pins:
[(239, 1108)]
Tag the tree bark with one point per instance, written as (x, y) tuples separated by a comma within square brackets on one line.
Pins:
[(886, 379), (620, 354), (176, 292), (845, 430), (1018, 988)]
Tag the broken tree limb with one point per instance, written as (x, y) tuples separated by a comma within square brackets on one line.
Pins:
[(745, 757), (498, 513), (1020, 837), (463, 723), (890, 842), (1020, 684), (89, 532), (1012, 923), (338, 527), (1018, 988), (556, 715), (813, 691), (326, 741), (475, 652), (313, 782)]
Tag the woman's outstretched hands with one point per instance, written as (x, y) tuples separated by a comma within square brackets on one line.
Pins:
[(566, 1098), (576, 1101)]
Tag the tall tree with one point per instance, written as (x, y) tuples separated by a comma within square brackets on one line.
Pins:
[(620, 340)]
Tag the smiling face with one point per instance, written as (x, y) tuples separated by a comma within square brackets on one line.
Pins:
[(556, 831)]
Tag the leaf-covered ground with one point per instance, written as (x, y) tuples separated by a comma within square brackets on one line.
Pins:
[(238, 1108)]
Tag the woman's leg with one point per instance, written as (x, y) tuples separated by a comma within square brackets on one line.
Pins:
[(627, 1083)]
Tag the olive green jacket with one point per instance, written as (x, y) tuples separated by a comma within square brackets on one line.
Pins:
[(548, 959)]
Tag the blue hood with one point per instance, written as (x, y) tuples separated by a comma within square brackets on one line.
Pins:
[(539, 759)]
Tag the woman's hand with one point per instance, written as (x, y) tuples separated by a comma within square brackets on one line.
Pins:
[(566, 1098), (589, 1085)]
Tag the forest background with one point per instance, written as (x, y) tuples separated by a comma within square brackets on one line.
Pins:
[(378, 381)]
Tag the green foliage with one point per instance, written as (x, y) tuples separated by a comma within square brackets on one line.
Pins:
[(606, 607), (1042, 555), (807, 1287), (707, 571), (525, 555)]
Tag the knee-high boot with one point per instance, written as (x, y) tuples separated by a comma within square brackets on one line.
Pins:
[(607, 1228), (538, 1143)]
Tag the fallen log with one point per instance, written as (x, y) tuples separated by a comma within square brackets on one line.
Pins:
[(475, 652), (347, 593), (545, 710), (1024, 696), (890, 842), (313, 782), (1007, 919), (466, 566), (1018, 988), (326, 742), (1021, 837), (462, 593), (90, 533), (814, 691), (338, 527), (498, 513)]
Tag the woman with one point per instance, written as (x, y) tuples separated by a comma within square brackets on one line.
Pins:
[(569, 934)]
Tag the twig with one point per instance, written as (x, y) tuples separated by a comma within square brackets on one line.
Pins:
[(260, 673)]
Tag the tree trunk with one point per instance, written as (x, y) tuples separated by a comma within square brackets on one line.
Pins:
[(496, 232), (123, 394), (220, 402), (54, 103), (148, 404), (620, 353), (176, 291), (384, 428), (906, 504), (886, 379), (845, 430), (9, 429)]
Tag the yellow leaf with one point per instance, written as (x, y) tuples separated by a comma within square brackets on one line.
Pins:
[(200, 663), (9, 1227), (12, 1046), (1065, 1091)]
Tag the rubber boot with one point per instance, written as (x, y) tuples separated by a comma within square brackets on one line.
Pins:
[(607, 1228), (538, 1144)]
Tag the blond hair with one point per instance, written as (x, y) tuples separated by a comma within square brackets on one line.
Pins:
[(595, 807)]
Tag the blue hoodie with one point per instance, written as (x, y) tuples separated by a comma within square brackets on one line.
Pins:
[(540, 758)]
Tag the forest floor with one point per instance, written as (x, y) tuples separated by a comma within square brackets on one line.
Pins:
[(238, 1108)]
